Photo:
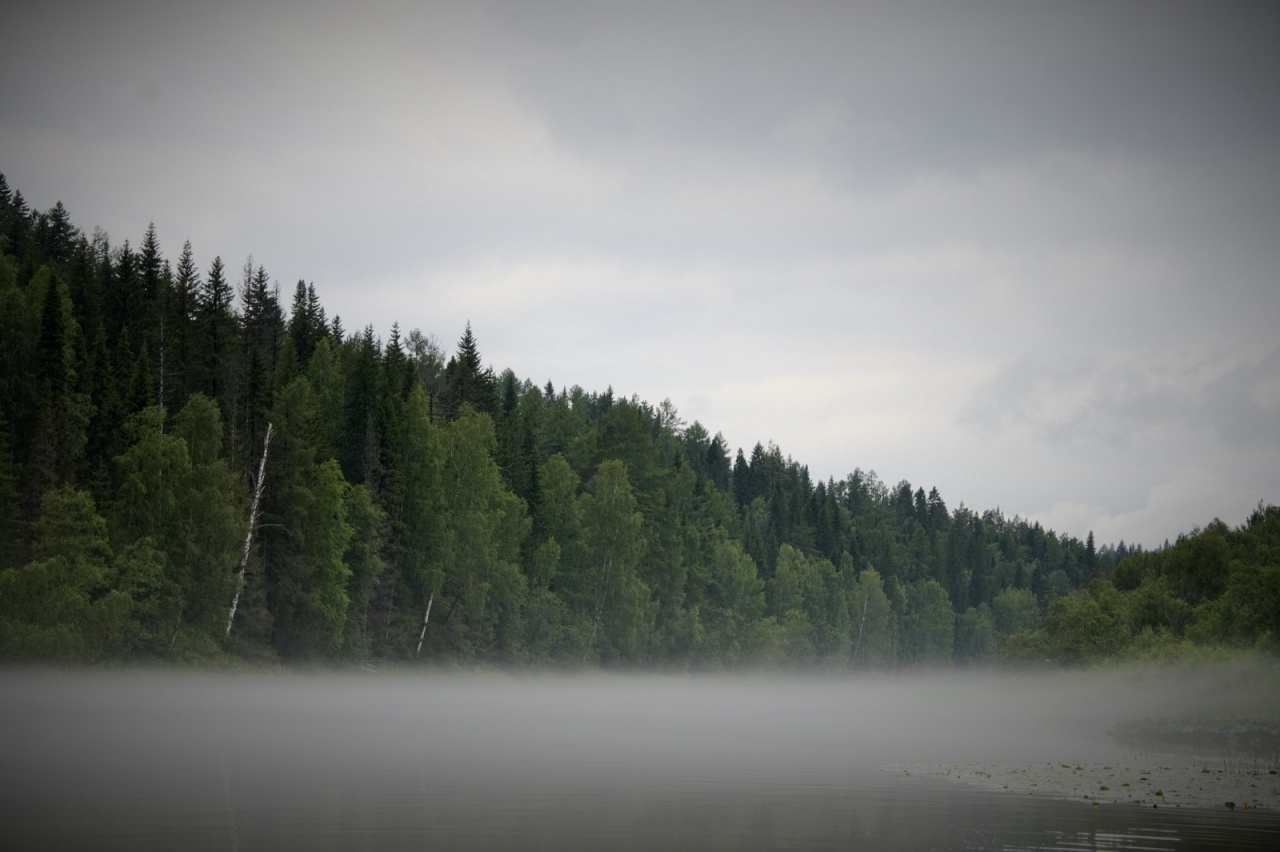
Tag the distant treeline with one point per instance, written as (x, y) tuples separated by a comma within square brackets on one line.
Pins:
[(419, 507)]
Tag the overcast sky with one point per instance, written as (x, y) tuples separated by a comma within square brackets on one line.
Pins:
[(1026, 252)]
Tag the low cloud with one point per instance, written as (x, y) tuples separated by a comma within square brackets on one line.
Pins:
[(1225, 398), (1171, 508)]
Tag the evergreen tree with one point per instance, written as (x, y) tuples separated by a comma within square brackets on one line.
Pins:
[(262, 320), (306, 321), (56, 235), (467, 382), (417, 529), (12, 526), (62, 415), (359, 450), (304, 534), (59, 606), (181, 315), (214, 327), (364, 561)]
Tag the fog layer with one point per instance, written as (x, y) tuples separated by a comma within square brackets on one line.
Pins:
[(367, 753)]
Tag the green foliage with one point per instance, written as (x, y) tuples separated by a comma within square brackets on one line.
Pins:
[(809, 601), (12, 526), (1247, 613), (1196, 568), (210, 524), (975, 642), (365, 565), (730, 616), (604, 589), (1089, 625), (1015, 610), (872, 626), (305, 533), (58, 606), (927, 625), (468, 384), (155, 612), (397, 481), (478, 557)]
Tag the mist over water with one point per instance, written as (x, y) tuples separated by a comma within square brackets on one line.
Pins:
[(496, 761)]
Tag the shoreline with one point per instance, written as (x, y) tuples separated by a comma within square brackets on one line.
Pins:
[(1141, 779)]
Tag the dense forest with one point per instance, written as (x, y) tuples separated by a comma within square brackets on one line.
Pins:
[(195, 468)]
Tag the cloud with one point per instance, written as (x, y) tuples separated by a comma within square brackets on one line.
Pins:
[(1172, 507), (1226, 397), (1025, 254)]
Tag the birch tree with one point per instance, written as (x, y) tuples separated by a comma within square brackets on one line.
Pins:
[(872, 620), (484, 525), (617, 601)]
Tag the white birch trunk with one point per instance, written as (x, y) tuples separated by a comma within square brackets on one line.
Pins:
[(861, 624), (425, 619), (253, 524)]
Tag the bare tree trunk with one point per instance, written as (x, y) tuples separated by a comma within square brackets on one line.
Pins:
[(425, 619), (174, 637), (602, 591), (253, 524), (861, 624)]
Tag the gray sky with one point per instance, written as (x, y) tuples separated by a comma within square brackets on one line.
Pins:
[(1026, 252)]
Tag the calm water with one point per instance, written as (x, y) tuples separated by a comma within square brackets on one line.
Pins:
[(126, 760)]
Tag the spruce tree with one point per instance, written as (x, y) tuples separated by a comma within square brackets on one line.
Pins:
[(467, 382), (214, 326), (12, 526), (56, 235), (303, 322), (181, 306)]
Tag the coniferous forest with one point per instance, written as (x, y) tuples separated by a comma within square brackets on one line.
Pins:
[(200, 466)]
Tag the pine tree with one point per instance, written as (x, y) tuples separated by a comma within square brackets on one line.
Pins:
[(306, 321), (359, 450), (54, 351), (180, 326), (214, 327), (13, 537), (364, 560), (58, 437), (124, 307), (154, 286), (56, 235), (304, 533), (262, 318), (16, 226), (467, 382)]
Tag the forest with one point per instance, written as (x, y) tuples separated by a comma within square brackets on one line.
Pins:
[(197, 468)]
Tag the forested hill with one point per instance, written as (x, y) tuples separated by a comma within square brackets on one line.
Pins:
[(415, 506)]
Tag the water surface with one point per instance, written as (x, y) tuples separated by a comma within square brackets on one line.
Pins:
[(286, 761)]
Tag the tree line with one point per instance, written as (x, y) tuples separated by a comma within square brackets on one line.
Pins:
[(175, 438)]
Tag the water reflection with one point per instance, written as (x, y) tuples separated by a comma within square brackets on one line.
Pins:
[(128, 760)]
